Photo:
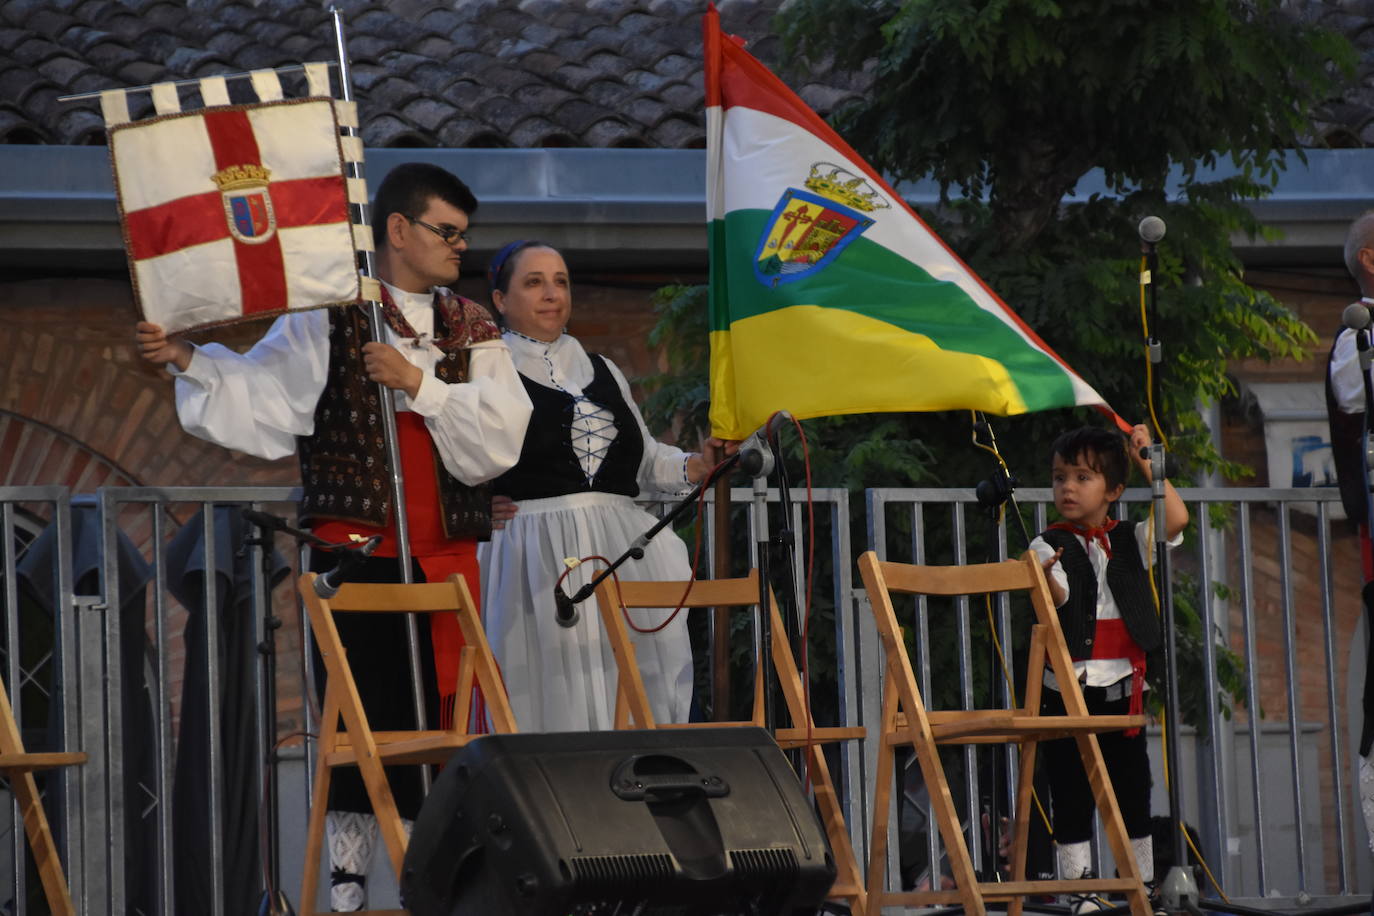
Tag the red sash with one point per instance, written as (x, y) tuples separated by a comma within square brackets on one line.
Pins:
[(438, 556)]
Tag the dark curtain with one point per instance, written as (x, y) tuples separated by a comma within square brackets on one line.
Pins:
[(239, 744), (136, 745)]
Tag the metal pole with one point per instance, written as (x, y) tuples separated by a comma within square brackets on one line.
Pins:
[(393, 451)]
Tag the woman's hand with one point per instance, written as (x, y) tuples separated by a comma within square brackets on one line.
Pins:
[(385, 365), (154, 346), (503, 509), (713, 452)]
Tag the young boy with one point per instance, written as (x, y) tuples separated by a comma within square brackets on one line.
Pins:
[(1097, 572)]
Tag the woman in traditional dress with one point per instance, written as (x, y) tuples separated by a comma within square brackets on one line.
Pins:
[(587, 454)]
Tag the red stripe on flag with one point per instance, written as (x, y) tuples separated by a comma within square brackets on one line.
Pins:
[(310, 201), (232, 139), (262, 270), (175, 225), (262, 276)]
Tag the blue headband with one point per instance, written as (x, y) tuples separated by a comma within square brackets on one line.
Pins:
[(500, 259)]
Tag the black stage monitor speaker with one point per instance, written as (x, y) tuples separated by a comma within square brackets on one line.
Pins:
[(697, 822)]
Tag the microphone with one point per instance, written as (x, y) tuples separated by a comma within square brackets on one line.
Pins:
[(755, 455), (1151, 229), (565, 612), (265, 520), (1356, 316), (327, 585)]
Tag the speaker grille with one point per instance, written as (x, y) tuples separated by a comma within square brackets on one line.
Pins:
[(768, 864), (602, 870)]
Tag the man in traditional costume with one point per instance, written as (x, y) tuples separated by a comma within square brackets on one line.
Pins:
[(1345, 407), (309, 385)]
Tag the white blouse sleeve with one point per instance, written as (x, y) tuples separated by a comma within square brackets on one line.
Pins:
[(1041, 548), (662, 468), (258, 402), (1346, 383), (478, 425)]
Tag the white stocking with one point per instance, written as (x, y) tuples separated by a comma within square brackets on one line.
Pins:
[(1075, 859), (352, 837), (1367, 796), (1144, 849)]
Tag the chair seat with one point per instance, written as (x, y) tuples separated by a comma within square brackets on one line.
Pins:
[(788, 738), (415, 748), (1006, 891), (997, 726), (27, 763)]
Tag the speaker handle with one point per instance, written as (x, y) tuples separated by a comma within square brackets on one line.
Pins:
[(630, 785)]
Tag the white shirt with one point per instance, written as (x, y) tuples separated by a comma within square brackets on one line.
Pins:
[(259, 402), (1100, 672), (1346, 383), (564, 366)]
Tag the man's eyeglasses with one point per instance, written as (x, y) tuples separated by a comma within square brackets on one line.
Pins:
[(449, 234)]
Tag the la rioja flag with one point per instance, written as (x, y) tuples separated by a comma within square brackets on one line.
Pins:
[(235, 211), (828, 294)]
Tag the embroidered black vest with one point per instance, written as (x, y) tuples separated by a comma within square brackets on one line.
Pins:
[(1347, 436), (548, 465), (1126, 577), (344, 471)]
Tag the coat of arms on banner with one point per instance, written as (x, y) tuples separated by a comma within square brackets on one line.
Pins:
[(235, 212), (809, 229)]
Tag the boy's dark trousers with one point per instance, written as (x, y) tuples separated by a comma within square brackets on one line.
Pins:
[(1128, 765)]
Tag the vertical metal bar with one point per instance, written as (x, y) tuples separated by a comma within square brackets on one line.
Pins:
[(972, 796), (114, 686), (163, 698), (1291, 670), (918, 556), (64, 619), (847, 665), (388, 404), (264, 692), (14, 677), (1252, 698), (215, 802), (870, 673), (1334, 730), (1214, 801)]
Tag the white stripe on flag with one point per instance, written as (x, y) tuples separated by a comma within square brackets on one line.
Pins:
[(165, 99), (173, 159), (114, 105), (267, 85), (190, 287), (318, 261), (346, 112), (317, 78), (214, 90), (297, 141)]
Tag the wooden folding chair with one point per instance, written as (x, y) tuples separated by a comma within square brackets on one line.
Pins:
[(17, 766), (356, 744), (633, 711), (906, 721)]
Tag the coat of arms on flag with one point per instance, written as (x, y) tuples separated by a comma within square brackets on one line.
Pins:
[(810, 228), (235, 211)]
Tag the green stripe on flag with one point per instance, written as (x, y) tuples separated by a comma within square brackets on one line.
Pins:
[(871, 280)]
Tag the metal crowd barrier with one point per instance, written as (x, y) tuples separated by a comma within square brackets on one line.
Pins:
[(1297, 836)]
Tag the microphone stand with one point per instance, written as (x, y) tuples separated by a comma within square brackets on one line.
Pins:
[(992, 493), (567, 613), (1178, 890)]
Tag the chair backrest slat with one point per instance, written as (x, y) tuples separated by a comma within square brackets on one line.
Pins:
[(1007, 576)]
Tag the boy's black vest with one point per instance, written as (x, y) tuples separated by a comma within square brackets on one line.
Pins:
[(344, 471), (549, 465), (1126, 577)]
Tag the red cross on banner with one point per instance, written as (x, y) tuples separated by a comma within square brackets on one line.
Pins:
[(235, 212)]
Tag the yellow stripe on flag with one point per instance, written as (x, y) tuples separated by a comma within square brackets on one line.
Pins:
[(813, 361)]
